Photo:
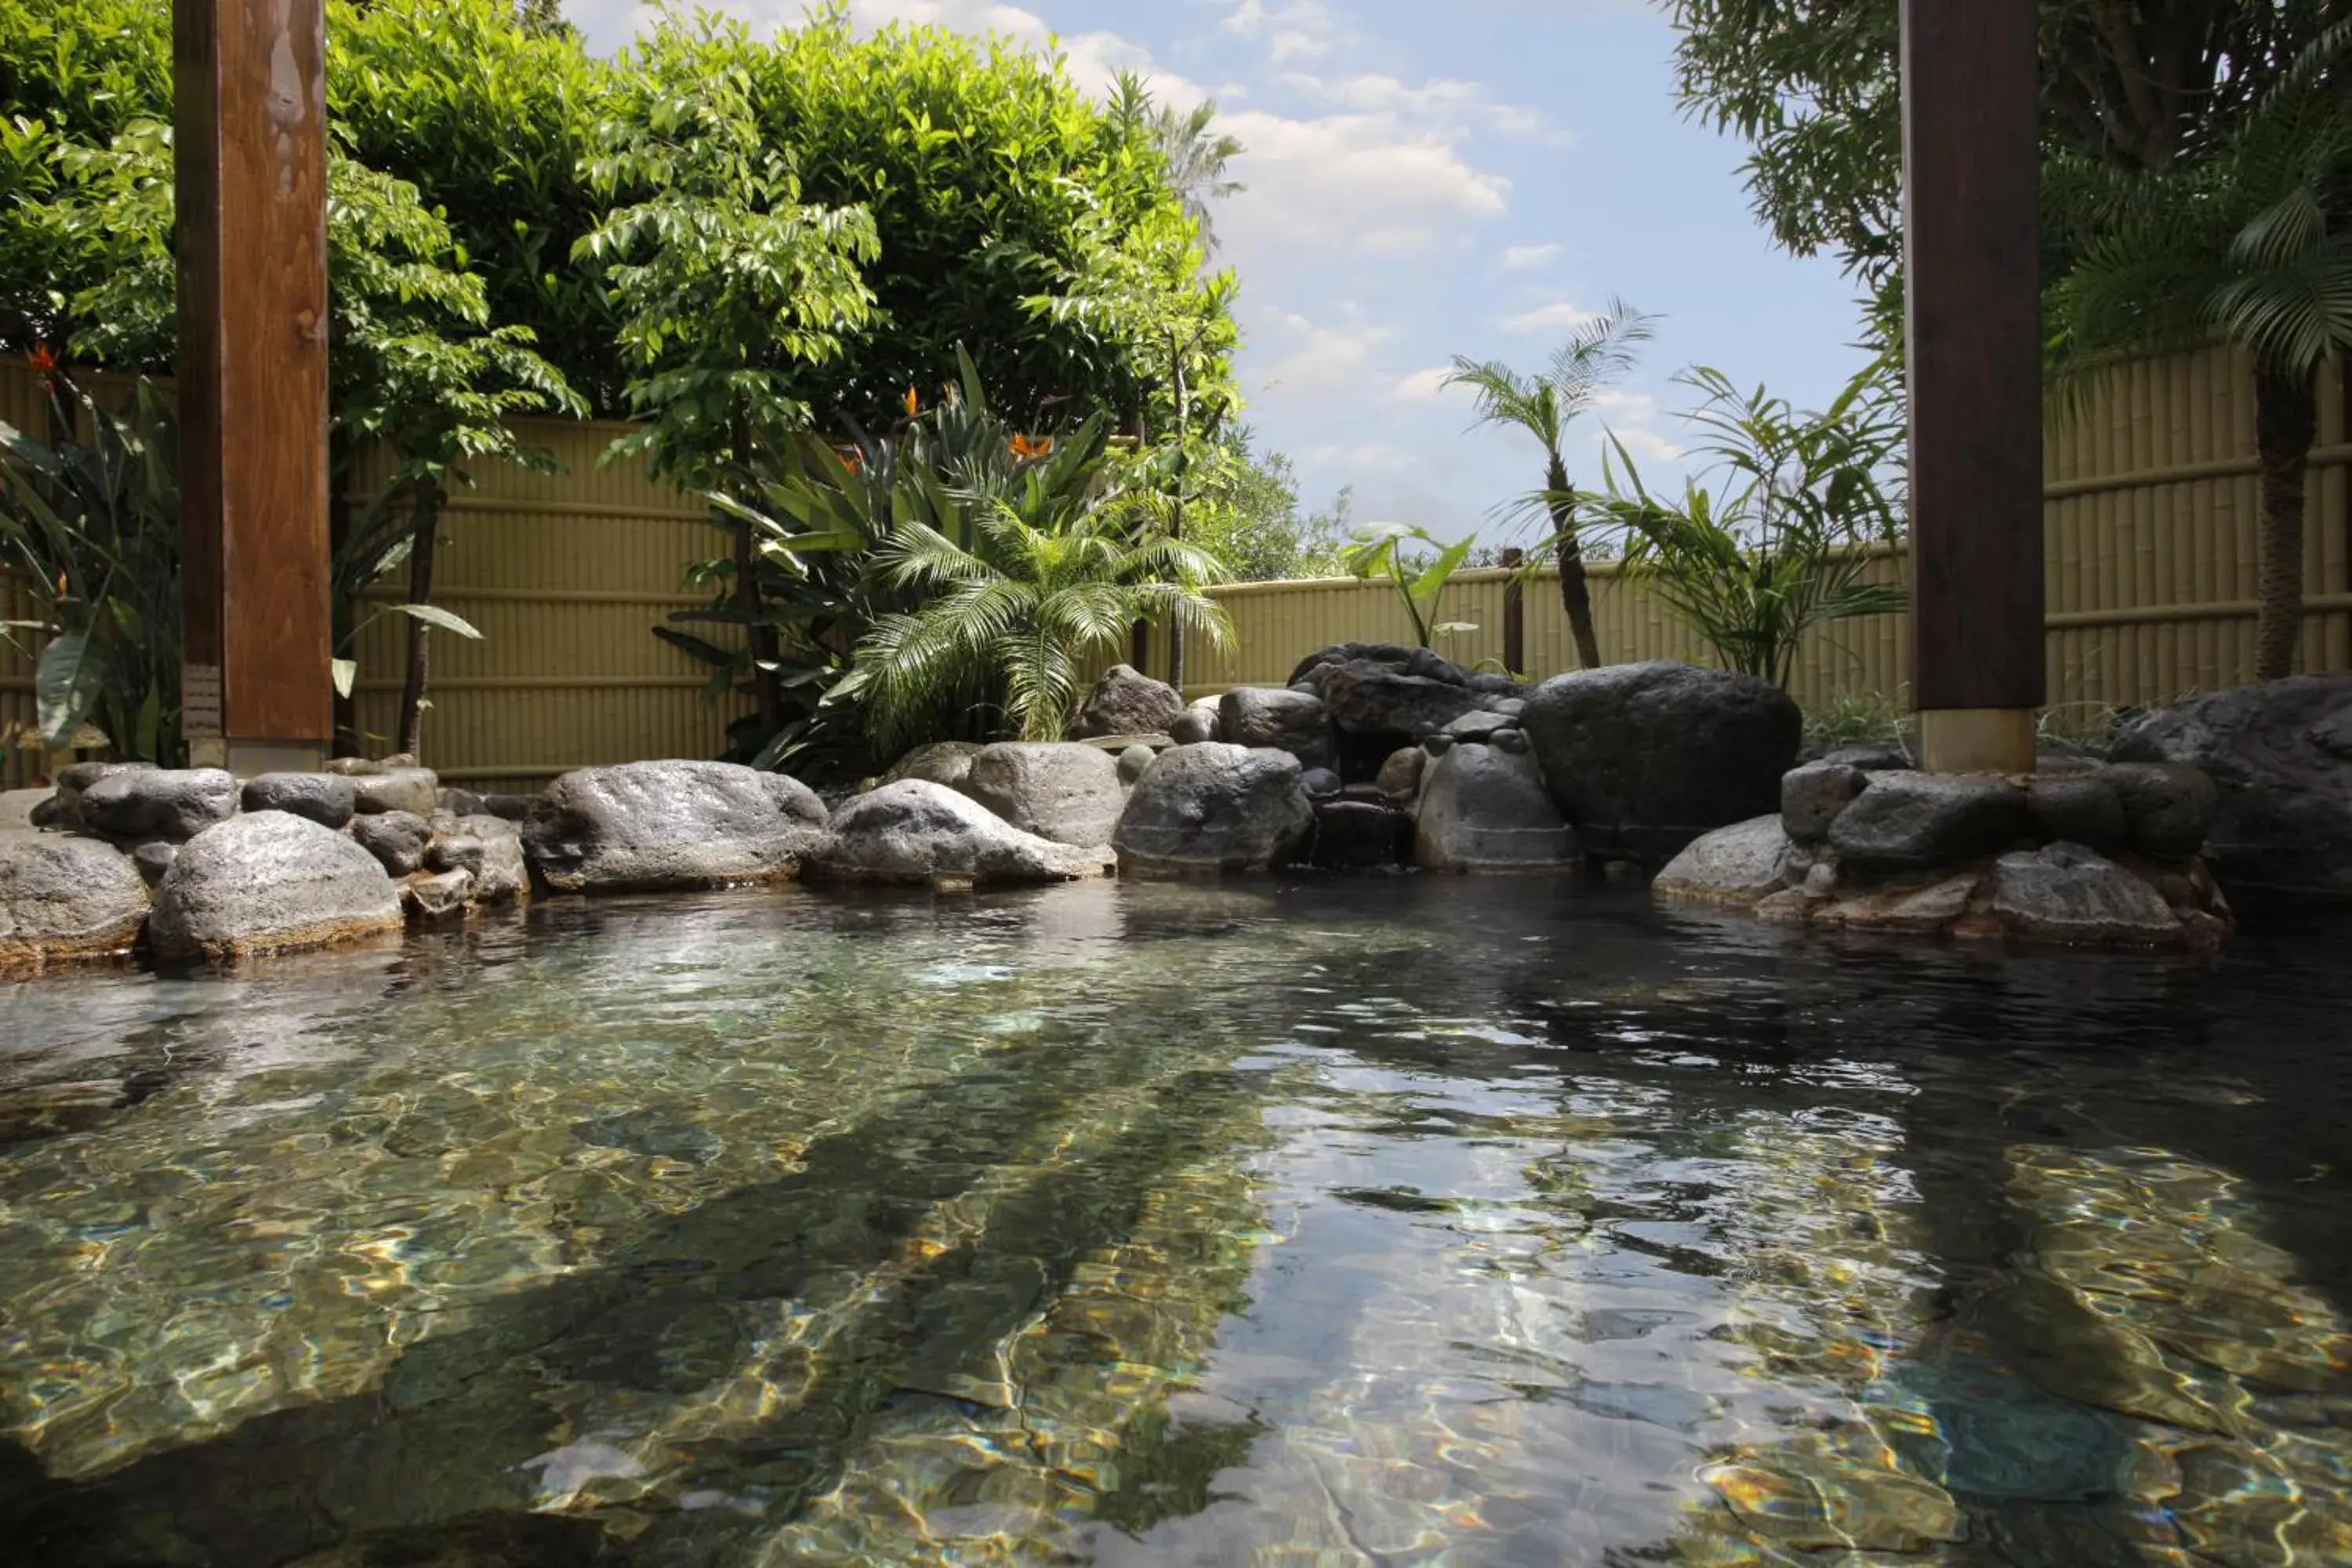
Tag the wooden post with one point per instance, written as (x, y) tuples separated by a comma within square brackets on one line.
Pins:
[(1515, 613), (1973, 352), (250, 85)]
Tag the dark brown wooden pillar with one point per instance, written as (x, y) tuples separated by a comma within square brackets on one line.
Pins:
[(250, 86), (1972, 295), (1515, 613)]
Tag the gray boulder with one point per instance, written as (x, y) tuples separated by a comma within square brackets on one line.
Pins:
[(1277, 716), (417, 790), (433, 895), (154, 858), (135, 804), (22, 808), (945, 762), (1377, 707), (1480, 724), (2078, 808), (2068, 893), (1320, 781), (63, 898), (1486, 809), (2280, 755), (269, 882), (326, 799), (1126, 702), (1132, 763), (1813, 796), (491, 850), (1400, 777), (1352, 834), (1069, 794), (75, 777), (648, 827), (915, 831), (2167, 806), (1214, 807), (1740, 865), (397, 838), (1203, 719), (1420, 661), (1642, 759), (1917, 822)]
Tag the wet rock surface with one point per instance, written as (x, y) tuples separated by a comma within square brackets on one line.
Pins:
[(647, 826), (269, 882), (1738, 865), (915, 831), (1642, 759), (1908, 822), (945, 762), (132, 805), (66, 898), (326, 799), (1070, 794), (1214, 807), (1279, 717), (1483, 808)]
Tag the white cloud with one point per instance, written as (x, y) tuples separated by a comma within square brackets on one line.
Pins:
[(1423, 385), (1358, 182), (1444, 101), (1523, 258), (1556, 316), (1317, 358), (1633, 418), (1298, 30)]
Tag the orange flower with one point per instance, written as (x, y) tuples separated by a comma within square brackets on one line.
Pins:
[(1027, 446), (43, 359), (853, 461), (913, 405)]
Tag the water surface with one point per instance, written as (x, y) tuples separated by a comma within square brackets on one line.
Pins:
[(1392, 1221)]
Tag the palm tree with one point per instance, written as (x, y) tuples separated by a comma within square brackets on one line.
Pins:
[(2250, 244), (1196, 160), (1544, 406), (1052, 571)]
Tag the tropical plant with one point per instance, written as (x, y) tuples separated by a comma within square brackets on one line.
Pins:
[(1544, 406), (94, 527), (2251, 244), (729, 283), (1196, 159), (1783, 546), (1419, 577), (1053, 570)]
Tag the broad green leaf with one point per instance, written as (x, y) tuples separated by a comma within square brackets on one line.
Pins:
[(434, 616), (66, 683), (346, 672)]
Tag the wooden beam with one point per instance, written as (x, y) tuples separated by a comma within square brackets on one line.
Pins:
[(250, 89), (1973, 352)]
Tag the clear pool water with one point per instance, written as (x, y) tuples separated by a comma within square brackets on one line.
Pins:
[(1405, 1221)]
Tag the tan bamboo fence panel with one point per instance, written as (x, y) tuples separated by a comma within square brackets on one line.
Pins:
[(2150, 546)]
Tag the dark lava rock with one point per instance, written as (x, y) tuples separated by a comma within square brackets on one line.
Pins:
[(648, 827), (136, 803), (1286, 719), (325, 798), (1483, 808), (397, 838), (1813, 797), (1642, 759), (1126, 702), (269, 882), (2168, 806), (1917, 822), (1360, 835), (1215, 807), (2078, 809)]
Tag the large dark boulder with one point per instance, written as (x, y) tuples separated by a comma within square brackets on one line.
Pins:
[(1740, 865), (1642, 759), (1279, 716), (269, 882), (397, 838), (326, 799), (1377, 707), (915, 831), (1214, 807), (647, 826), (1919, 822), (2279, 756), (136, 803), (1069, 794), (1404, 660), (945, 762), (64, 898), (1126, 702), (1483, 808)]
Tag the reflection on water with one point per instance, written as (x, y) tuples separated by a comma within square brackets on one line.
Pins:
[(1430, 1223)]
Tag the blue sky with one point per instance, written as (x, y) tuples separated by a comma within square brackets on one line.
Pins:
[(1432, 177)]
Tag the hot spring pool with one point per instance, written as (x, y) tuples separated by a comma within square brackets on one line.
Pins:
[(1405, 1221)]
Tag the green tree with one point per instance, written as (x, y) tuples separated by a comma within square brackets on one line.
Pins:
[(2252, 243), (731, 286), (1544, 406), (1196, 156), (1055, 569)]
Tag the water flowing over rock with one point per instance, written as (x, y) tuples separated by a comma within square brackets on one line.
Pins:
[(326, 799), (64, 898), (1483, 808), (134, 804), (267, 882), (646, 826), (2280, 755), (1642, 759), (1277, 716), (1214, 807), (1908, 822), (915, 831), (1069, 794), (1126, 702)]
